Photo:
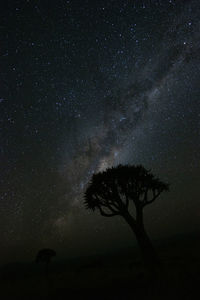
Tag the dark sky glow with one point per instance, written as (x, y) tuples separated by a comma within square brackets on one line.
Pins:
[(86, 85)]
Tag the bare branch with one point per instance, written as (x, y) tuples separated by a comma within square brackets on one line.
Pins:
[(111, 191), (155, 195), (114, 204), (127, 200), (103, 213), (111, 208), (145, 196)]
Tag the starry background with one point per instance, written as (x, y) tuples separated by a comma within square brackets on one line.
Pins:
[(86, 85)]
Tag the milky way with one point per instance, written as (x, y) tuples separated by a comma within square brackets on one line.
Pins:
[(86, 87)]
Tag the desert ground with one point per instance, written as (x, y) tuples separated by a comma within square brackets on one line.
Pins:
[(120, 275)]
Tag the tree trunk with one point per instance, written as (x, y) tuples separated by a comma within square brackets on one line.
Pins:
[(148, 252), (47, 269)]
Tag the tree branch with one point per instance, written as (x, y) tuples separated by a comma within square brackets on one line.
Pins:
[(127, 200), (153, 199), (115, 206), (145, 196), (103, 213), (107, 205)]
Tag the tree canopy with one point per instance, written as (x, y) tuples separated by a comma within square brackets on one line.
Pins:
[(113, 190), (45, 255)]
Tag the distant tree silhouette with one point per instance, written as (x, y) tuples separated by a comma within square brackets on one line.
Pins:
[(117, 190), (45, 256)]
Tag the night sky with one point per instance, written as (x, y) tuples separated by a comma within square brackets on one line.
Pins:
[(86, 85)]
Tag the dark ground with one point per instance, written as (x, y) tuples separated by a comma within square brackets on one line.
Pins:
[(117, 276)]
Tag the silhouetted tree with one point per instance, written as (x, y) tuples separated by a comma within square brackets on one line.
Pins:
[(45, 256), (115, 191)]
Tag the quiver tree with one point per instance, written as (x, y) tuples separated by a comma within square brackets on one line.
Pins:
[(45, 256), (117, 190)]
